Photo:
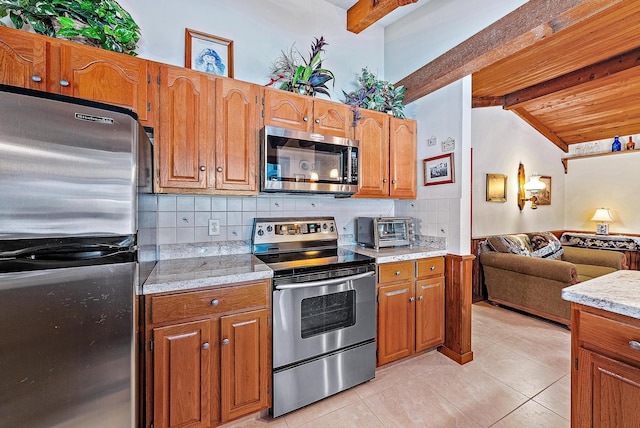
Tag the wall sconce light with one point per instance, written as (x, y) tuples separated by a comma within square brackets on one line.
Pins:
[(602, 216), (533, 186)]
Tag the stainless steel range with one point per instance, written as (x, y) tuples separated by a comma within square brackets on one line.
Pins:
[(324, 310)]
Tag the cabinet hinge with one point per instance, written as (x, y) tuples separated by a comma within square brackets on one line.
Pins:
[(158, 79), (151, 346), (151, 426), (262, 100), (575, 364), (148, 78), (148, 106), (377, 298)]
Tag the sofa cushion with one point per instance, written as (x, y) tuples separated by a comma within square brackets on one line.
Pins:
[(587, 272), (545, 245), (515, 244)]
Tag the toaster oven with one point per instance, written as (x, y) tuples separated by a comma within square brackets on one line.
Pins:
[(379, 232)]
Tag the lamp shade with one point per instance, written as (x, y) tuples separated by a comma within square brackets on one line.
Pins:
[(602, 215), (534, 184)]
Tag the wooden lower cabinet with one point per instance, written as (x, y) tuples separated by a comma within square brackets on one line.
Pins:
[(410, 308), (208, 360), (605, 380)]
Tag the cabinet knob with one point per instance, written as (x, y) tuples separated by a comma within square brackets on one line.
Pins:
[(384, 180), (397, 273), (432, 268), (421, 298), (635, 345), (306, 119), (203, 168), (64, 82), (393, 181), (225, 341), (317, 120), (205, 345), (214, 302), (219, 169), (36, 78), (412, 299)]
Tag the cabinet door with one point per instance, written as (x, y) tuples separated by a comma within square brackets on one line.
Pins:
[(185, 134), (244, 363), (236, 136), (402, 158), (332, 118), (429, 313), (608, 390), (181, 368), (23, 59), (373, 132), (395, 321), (104, 76), (287, 110)]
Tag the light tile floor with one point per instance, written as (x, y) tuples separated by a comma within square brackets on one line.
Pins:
[(520, 377)]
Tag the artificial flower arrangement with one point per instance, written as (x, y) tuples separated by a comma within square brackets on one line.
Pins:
[(375, 94)]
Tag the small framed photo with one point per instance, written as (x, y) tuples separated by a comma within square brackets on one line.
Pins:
[(438, 170), (211, 54), (544, 196), (496, 188)]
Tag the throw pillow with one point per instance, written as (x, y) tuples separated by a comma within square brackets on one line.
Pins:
[(515, 244), (545, 245)]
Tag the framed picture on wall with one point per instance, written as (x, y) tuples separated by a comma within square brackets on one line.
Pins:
[(544, 196), (438, 170), (496, 188), (211, 54)]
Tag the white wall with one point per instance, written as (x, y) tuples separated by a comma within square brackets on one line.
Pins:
[(260, 29), (501, 141), (604, 181)]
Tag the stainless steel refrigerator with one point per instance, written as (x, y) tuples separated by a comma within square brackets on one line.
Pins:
[(76, 238)]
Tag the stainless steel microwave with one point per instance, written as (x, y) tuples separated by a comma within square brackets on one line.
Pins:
[(303, 162), (378, 232)]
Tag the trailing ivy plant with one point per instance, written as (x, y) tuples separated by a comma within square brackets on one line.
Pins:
[(375, 94), (102, 23)]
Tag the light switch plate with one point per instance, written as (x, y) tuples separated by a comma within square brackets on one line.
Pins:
[(214, 227)]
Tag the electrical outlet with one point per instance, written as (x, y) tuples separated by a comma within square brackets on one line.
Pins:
[(214, 227)]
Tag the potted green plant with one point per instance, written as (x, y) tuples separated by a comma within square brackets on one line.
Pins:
[(101, 23), (296, 74), (375, 94)]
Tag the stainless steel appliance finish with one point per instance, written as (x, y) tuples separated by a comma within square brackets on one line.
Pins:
[(70, 260), (324, 310), (302, 162), (379, 232)]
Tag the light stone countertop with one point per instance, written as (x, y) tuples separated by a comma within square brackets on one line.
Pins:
[(397, 254), (617, 292), (198, 272)]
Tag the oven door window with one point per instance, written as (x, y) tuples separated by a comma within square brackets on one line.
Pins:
[(321, 314)]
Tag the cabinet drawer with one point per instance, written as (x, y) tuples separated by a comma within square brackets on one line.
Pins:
[(609, 336), (398, 271), (430, 267), (208, 302)]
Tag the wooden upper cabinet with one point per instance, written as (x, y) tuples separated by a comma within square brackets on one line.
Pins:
[(23, 60), (182, 365), (105, 76), (402, 158), (237, 136), (186, 128), (372, 130), (332, 118), (304, 113)]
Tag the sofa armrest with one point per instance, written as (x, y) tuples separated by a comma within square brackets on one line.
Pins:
[(556, 270), (586, 256)]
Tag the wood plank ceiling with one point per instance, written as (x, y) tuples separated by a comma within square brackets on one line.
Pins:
[(575, 78)]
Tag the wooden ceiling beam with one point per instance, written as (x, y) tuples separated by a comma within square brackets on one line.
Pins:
[(522, 28), (542, 128), (592, 73), (366, 12), (477, 102)]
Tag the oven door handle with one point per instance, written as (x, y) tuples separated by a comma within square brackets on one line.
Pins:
[(324, 282)]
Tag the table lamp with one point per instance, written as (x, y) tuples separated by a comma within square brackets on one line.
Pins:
[(602, 216)]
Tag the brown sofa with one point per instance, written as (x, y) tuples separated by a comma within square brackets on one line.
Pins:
[(529, 271)]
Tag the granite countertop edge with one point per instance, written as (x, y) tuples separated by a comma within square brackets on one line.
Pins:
[(199, 272)]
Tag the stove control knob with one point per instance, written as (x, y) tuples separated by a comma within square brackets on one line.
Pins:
[(324, 226), (269, 228), (260, 232), (331, 229), (283, 231)]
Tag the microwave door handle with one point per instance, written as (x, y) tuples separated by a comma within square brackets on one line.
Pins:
[(324, 282)]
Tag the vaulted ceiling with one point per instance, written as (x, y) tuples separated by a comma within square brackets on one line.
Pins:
[(569, 68)]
